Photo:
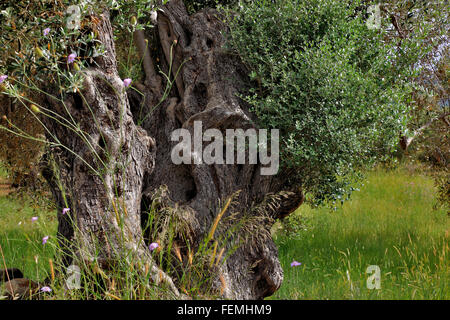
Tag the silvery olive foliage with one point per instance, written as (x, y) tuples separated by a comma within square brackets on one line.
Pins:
[(338, 90)]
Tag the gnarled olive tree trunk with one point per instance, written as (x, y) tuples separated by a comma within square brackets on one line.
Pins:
[(137, 159)]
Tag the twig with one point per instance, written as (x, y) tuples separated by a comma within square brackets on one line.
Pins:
[(151, 78)]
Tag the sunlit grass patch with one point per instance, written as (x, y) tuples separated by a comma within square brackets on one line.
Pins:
[(390, 223), (21, 238)]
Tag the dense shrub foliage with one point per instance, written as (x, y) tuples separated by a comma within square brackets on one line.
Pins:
[(337, 90)]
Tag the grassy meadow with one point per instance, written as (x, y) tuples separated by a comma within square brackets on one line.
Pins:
[(21, 238), (390, 223)]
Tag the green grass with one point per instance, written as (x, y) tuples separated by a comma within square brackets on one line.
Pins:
[(390, 223), (21, 239)]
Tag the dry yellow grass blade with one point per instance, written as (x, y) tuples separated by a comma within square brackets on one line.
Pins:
[(147, 268), (52, 270), (219, 256), (177, 251), (99, 271), (115, 211), (213, 254), (112, 296), (112, 286), (217, 219), (223, 284)]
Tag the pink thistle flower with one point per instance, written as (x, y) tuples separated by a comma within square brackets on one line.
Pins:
[(44, 239), (127, 82), (295, 263), (71, 57), (3, 78), (46, 31), (34, 219), (153, 246), (65, 210)]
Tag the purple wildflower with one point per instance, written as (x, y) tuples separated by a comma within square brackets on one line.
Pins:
[(65, 210), (46, 289), (3, 78), (44, 240), (295, 263), (71, 57), (34, 219), (153, 246), (46, 31), (126, 82)]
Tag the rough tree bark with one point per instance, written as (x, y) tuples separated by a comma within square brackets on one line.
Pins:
[(205, 90), (104, 206)]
